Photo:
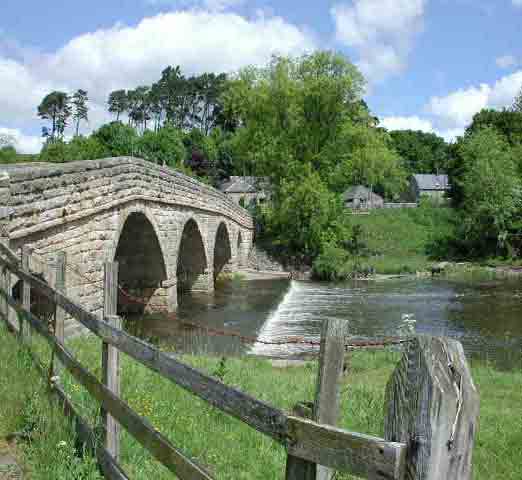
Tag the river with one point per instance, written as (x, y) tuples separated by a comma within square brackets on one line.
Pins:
[(485, 315)]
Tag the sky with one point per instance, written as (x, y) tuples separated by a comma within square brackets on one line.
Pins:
[(429, 64)]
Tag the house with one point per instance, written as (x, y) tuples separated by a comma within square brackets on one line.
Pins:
[(427, 185), (361, 198), (246, 190)]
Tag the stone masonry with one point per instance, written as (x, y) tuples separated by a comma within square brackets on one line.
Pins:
[(167, 231)]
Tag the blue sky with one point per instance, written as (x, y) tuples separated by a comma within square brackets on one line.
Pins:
[(430, 64)]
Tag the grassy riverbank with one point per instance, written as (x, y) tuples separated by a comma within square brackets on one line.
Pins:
[(231, 450), (226, 447), (400, 239), (25, 407)]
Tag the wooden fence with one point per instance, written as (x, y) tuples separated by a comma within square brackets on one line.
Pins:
[(316, 447)]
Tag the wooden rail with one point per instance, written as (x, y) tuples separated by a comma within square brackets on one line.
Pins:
[(313, 442)]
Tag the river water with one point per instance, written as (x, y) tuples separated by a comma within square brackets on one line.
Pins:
[(485, 315)]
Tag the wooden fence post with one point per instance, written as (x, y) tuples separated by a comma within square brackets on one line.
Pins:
[(25, 329), (432, 405), (327, 395), (12, 316), (111, 356), (4, 306), (58, 283)]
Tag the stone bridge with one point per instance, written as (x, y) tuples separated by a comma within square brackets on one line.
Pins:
[(169, 233)]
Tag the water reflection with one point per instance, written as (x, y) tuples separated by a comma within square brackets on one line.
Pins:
[(485, 316)]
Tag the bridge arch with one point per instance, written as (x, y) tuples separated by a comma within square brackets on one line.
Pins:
[(142, 263), (192, 262), (222, 249)]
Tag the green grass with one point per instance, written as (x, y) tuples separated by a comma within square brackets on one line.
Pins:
[(399, 239), (25, 406), (230, 450), (225, 446)]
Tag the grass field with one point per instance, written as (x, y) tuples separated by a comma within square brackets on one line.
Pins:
[(25, 407), (399, 239), (226, 447)]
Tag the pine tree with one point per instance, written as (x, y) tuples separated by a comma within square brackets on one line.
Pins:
[(118, 102), (81, 110), (55, 107), (517, 103)]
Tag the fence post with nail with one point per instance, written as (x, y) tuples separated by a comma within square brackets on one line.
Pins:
[(432, 405)]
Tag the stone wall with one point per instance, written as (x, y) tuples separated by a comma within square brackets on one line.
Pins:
[(260, 260), (82, 209)]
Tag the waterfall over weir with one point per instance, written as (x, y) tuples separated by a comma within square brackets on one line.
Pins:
[(297, 316)]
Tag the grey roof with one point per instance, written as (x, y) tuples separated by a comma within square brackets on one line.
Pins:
[(431, 182), (5, 212), (360, 191), (238, 184)]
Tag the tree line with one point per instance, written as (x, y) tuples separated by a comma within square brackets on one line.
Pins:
[(302, 123)]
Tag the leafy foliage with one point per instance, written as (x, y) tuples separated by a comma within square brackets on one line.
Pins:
[(492, 191), (164, 147), (422, 152)]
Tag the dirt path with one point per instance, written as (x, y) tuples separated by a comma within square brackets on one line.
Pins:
[(9, 469)]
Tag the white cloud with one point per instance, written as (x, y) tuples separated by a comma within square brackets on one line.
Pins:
[(416, 123), (506, 61), (456, 110), (517, 3), (23, 143), (127, 56), (406, 123), (381, 31)]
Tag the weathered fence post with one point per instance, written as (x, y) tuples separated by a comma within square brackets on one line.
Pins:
[(4, 306), (12, 316), (25, 329), (327, 395), (432, 405), (111, 356), (58, 283)]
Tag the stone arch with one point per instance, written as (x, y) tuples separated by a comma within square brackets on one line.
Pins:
[(192, 263), (142, 265), (124, 215), (222, 249)]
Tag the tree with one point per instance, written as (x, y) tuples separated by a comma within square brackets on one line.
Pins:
[(492, 192), (201, 153), (139, 107), (359, 155), (7, 148), (517, 102), (304, 217), (80, 109), (422, 152), (164, 147), (55, 151), (56, 107), (117, 139), (290, 110), (118, 102), (506, 122)]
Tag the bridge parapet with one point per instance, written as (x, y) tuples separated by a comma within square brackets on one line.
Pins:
[(47, 195)]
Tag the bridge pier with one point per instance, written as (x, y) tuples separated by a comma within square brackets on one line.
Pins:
[(171, 293)]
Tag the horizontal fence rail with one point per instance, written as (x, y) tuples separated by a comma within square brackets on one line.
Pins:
[(325, 445)]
